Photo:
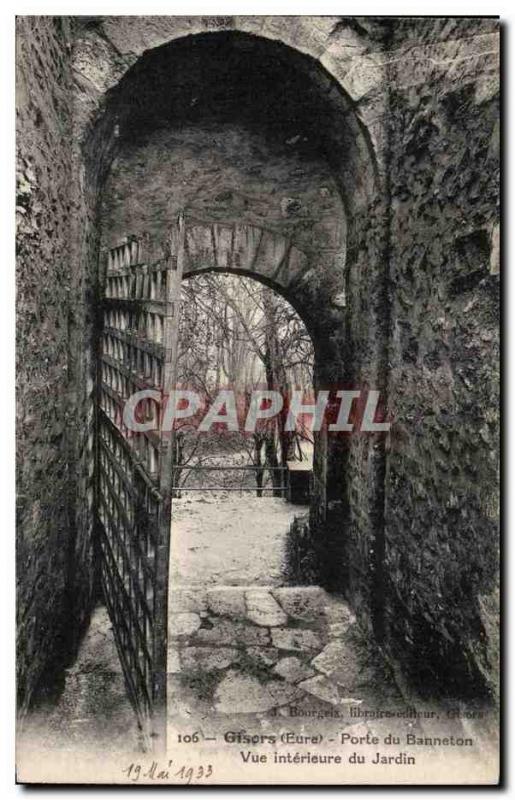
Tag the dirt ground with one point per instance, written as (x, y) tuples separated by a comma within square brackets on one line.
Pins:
[(93, 713), (229, 539)]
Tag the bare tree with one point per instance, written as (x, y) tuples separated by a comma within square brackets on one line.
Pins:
[(236, 332)]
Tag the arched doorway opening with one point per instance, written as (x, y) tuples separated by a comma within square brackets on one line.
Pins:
[(242, 134), (238, 485)]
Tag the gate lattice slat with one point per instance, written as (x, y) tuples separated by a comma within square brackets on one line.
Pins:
[(134, 470)]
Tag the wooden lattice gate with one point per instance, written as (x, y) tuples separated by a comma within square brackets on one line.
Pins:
[(140, 306)]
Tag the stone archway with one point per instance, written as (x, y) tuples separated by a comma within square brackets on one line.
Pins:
[(272, 259), (180, 101)]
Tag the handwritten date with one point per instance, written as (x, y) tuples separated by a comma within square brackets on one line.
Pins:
[(168, 772)]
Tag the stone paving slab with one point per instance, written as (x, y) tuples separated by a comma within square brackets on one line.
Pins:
[(251, 649)]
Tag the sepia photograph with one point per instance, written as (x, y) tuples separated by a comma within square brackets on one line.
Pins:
[(257, 400)]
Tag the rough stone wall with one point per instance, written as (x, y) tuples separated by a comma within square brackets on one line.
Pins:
[(43, 284), (55, 365), (418, 550), (441, 545), (356, 527), (241, 650), (224, 173)]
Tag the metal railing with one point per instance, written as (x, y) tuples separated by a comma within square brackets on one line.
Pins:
[(283, 488)]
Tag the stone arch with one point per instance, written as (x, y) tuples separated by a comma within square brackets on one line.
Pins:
[(243, 249), (154, 85), (350, 54), (318, 106), (347, 116)]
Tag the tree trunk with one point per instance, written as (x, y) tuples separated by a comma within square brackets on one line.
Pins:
[(276, 379), (260, 472)]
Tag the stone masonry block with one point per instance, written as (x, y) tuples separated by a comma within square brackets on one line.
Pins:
[(263, 609)]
